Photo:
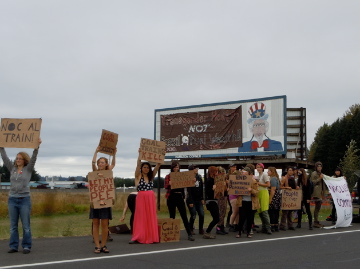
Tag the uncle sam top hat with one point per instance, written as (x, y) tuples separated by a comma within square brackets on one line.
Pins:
[(257, 112)]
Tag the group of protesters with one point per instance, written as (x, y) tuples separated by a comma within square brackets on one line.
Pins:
[(264, 197)]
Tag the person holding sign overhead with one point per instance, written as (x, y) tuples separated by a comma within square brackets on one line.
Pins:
[(19, 202), (145, 227), (175, 199), (101, 215)]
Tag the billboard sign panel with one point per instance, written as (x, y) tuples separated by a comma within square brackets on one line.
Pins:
[(238, 128)]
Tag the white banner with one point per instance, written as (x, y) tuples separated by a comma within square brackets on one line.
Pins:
[(342, 199)]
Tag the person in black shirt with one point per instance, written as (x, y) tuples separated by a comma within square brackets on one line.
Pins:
[(195, 201)]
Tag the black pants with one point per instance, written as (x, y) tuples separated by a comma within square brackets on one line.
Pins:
[(274, 216), (246, 214), (131, 200), (213, 207), (230, 211), (308, 212), (175, 200)]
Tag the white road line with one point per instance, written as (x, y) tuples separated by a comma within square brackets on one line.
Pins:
[(172, 250)]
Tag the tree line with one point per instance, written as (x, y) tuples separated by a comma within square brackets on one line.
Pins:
[(335, 145)]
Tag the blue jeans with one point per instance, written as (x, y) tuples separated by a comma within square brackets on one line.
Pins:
[(199, 208), (19, 207)]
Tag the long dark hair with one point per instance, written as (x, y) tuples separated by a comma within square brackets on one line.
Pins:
[(338, 169), (173, 165), (150, 173), (303, 178)]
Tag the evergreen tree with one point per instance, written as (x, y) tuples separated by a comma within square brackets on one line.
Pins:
[(350, 163), (35, 176), (5, 174), (331, 141)]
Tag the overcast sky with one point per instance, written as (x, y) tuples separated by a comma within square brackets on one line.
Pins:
[(83, 66)]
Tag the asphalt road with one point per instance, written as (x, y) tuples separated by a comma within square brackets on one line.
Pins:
[(319, 248)]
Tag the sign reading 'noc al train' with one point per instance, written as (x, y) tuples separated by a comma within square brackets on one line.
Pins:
[(236, 128)]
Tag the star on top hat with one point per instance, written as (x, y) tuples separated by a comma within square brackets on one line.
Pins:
[(257, 112)]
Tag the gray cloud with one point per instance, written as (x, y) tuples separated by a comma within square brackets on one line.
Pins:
[(84, 66)]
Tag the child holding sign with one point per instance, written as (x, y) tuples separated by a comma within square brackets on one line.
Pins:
[(102, 215)]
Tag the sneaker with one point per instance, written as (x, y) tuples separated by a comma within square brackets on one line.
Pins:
[(12, 250), (291, 228), (201, 231), (191, 238), (251, 232), (26, 250), (208, 236)]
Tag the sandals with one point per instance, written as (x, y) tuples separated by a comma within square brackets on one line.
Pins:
[(97, 250), (104, 249)]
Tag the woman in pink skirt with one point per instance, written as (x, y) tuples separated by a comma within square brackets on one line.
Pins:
[(145, 230)]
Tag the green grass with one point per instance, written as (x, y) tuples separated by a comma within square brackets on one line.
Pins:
[(60, 214)]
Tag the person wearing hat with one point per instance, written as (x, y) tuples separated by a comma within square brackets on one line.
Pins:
[(259, 126), (195, 200), (318, 192)]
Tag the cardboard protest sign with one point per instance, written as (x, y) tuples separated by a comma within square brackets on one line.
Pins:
[(291, 199), (239, 184), (101, 188), (182, 179), (152, 150), (20, 133), (220, 186), (169, 230), (108, 142), (341, 196)]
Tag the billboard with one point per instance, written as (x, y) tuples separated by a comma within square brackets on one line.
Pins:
[(237, 128)]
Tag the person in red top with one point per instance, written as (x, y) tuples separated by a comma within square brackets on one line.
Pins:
[(175, 199)]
